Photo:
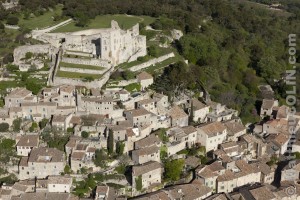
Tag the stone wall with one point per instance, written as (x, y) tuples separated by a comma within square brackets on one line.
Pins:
[(152, 62), (81, 70), (78, 82), (93, 62), (123, 82)]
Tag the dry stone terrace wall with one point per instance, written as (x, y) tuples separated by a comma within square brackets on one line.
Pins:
[(151, 62), (123, 82), (93, 62), (80, 70), (21, 51), (78, 82)]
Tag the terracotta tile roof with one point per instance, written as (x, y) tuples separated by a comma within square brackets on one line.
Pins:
[(146, 151), (43, 154), (227, 176), (28, 141), (67, 88), (77, 155), (58, 118), (145, 168), (177, 113), (262, 193), (15, 109), (148, 141), (213, 128), (282, 112), (198, 104), (267, 104), (23, 162), (189, 129), (192, 161), (60, 180), (146, 101), (138, 112), (234, 127), (19, 93)]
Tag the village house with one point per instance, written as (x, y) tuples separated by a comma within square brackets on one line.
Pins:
[(18, 96), (178, 117), (211, 135), (267, 172), (141, 156), (208, 174), (61, 122), (123, 95), (291, 171), (219, 112), (60, 184), (41, 162), (254, 146), (38, 111), (147, 104), (181, 138), (26, 143), (138, 117), (267, 107), (199, 109), (104, 193), (82, 156), (148, 173), (96, 105), (235, 129), (145, 80), (278, 142), (162, 103)]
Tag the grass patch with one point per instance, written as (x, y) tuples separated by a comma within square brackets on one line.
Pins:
[(133, 87), (77, 66), (64, 74), (76, 56), (103, 21), (42, 21)]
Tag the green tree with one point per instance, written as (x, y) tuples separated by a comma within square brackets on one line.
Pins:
[(17, 124), (100, 158), (120, 148), (12, 20), (163, 135), (43, 123), (139, 183), (67, 169), (84, 134), (4, 127), (173, 169), (110, 142), (153, 51)]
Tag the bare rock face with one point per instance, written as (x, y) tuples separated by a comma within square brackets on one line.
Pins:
[(176, 34)]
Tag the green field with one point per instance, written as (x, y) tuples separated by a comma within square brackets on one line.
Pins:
[(69, 65), (77, 75), (125, 22), (42, 21)]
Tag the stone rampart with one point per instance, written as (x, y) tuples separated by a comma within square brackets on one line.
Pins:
[(93, 62)]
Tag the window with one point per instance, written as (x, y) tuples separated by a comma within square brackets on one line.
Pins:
[(222, 187)]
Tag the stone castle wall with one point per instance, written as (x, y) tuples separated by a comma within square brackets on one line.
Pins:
[(152, 62)]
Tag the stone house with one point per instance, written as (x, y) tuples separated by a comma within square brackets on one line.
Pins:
[(150, 174), (200, 110), (162, 103), (147, 104), (181, 138), (267, 172), (67, 95), (275, 126), (267, 107), (138, 117), (234, 130), (18, 96), (219, 112), (41, 162), (254, 146), (123, 95), (291, 171), (145, 80), (211, 135), (149, 141), (82, 156), (232, 149), (60, 184), (4, 116), (144, 155), (26, 143), (208, 174), (104, 193), (61, 122), (95, 105), (38, 111), (178, 117)]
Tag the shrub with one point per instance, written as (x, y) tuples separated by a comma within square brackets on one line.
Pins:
[(84, 134), (12, 20), (4, 127)]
